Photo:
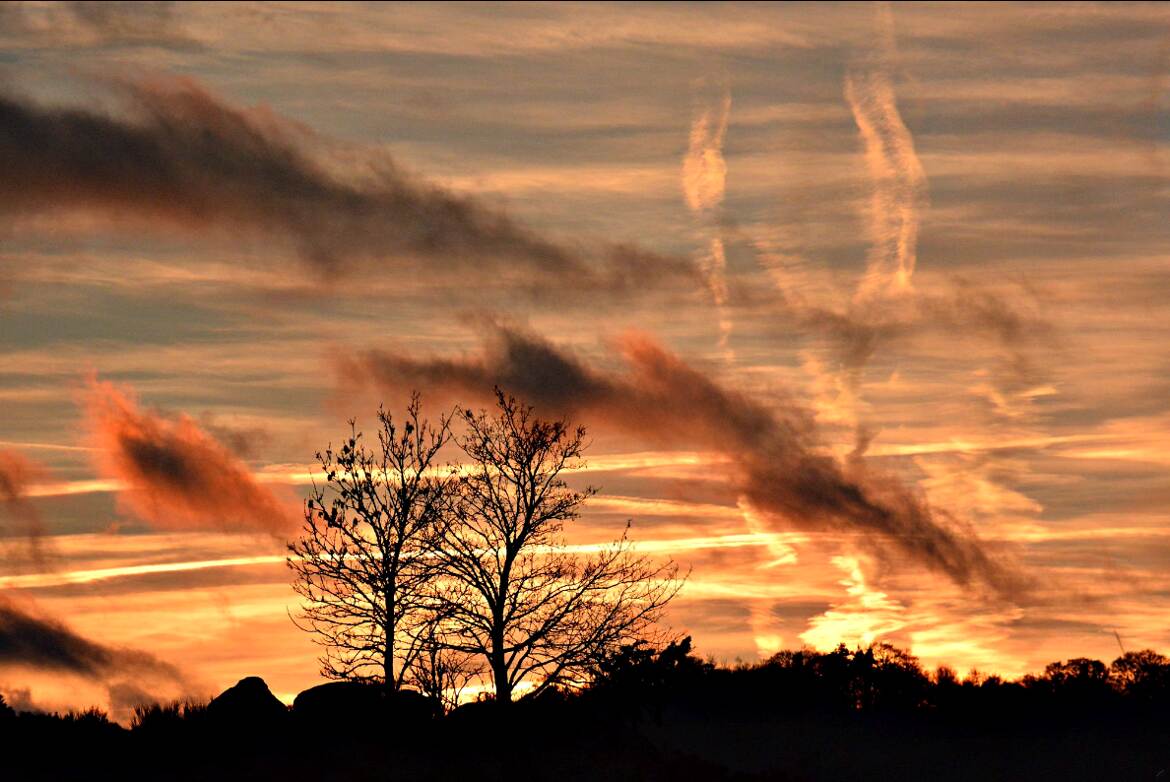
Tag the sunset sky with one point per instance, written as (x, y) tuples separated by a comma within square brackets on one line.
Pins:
[(864, 307)]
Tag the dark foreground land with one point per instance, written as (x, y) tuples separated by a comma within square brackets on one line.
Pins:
[(865, 714)]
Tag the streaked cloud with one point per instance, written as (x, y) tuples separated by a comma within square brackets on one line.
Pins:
[(182, 157), (779, 467), (704, 171), (865, 617)]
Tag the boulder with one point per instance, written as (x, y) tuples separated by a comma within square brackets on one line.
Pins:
[(480, 715), (365, 703), (249, 703)]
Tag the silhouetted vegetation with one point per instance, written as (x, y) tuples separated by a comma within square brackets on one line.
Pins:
[(649, 713)]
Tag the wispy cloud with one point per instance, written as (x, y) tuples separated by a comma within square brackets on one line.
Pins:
[(865, 616), (704, 172), (19, 518), (82, 23)]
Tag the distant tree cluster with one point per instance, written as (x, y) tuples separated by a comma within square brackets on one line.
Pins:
[(879, 678), (416, 573)]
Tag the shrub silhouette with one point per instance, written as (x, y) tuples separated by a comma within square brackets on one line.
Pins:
[(167, 719)]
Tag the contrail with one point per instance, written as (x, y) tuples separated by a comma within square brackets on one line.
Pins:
[(898, 185), (704, 183), (304, 474), (704, 170), (899, 182), (773, 541)]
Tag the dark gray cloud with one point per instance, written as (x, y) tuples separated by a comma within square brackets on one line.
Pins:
[(131, 677), (780, 468), (1008, 320), (185, 158), (244, 441), (48, 645)]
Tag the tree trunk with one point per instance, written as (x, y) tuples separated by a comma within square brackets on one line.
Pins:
[(500, 674), (499, 663), (388, 630)]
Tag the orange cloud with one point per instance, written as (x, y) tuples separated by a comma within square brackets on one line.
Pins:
[(176, 475), (17, 514), (17, 473)]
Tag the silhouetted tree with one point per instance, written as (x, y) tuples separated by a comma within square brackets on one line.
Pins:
[(639, 677), (1079, 671), (1078, 684), (639, 669), (1145, 675), (513, 594), (364, 563)]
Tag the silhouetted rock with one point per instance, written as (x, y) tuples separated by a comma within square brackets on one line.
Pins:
[(484, 717), (249, 703), (365, 703), (410, 704)]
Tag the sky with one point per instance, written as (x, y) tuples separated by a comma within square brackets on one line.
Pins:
[(862, 305)]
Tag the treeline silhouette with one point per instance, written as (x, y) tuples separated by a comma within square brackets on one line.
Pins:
[(648, 714)]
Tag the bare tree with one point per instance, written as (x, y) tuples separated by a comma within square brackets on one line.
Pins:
[(512, 594), (364, 564)]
